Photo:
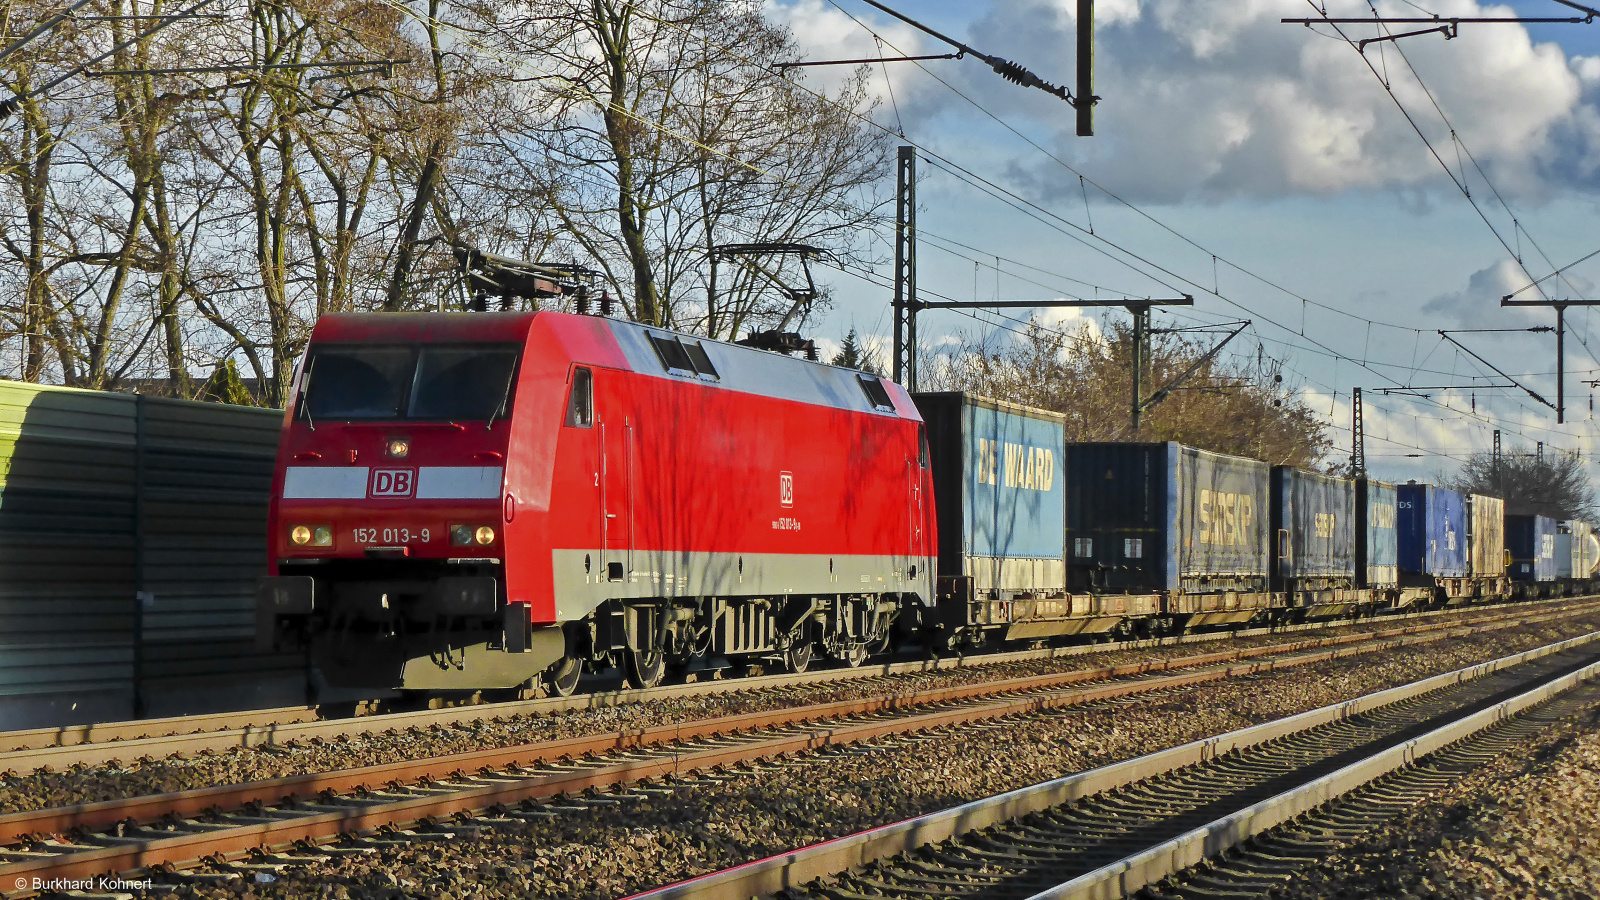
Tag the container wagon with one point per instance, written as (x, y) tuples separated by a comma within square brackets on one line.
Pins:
[(1431, 525), (1314, 543), (1531, 542), (1577, 556), (1487, 534), (1001, 502), (1173, 527)]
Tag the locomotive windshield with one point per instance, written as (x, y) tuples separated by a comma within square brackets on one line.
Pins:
[(456, 382)]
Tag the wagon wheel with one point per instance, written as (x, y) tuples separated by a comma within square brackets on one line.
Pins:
[(798, 657), (644, 668), (562, 678), (855, 655)]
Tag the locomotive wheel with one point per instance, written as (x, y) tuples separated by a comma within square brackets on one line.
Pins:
[(644, 668), (562, 678), (798, 657)]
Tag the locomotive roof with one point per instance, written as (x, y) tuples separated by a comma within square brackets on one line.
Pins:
[(441, 327), (760, 372), (742, 369)]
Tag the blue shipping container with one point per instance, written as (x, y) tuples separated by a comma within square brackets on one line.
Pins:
[(1165, 517), (1532, 542), (1432, 525), (1001, 497), (1377, 542), (1314, 518)]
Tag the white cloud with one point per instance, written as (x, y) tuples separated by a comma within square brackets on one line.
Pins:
[(823, 32), (1587, 69), (1070, 319), (1478, 304), (1216, 99)]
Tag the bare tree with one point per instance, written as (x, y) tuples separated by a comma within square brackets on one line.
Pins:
[(1228, 407), (1551, 484), (663, 131)]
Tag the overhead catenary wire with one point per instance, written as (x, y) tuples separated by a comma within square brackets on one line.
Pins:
[(994, 190)]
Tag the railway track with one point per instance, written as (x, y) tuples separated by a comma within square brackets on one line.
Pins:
[(434, 799), (1133, 826), (88, 745)]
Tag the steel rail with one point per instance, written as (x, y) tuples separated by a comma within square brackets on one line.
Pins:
[(858, 852), (256, 726), (313, 808), (63, 747)]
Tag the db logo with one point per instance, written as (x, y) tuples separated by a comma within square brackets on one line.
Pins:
[(392, 483), (785, 488)]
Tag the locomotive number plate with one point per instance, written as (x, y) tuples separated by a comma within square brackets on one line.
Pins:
[(392, 536)]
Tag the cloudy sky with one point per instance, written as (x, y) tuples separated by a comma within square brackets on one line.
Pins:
[(1265, 169)]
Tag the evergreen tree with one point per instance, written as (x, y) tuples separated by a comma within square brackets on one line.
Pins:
[(853, 355)]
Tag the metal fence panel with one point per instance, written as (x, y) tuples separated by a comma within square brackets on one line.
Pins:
[(131, 538)]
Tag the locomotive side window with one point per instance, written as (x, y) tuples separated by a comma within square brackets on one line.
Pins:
[(875, 392), (922, 446), (580, 405), (471, 383), (357, 382)]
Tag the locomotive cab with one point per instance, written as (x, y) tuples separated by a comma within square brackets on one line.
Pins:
[(388, 523)]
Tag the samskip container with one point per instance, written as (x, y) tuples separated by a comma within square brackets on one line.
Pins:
[(1148, 517), (1314, 529)]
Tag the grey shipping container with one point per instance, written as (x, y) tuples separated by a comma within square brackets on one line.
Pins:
[(997, 471), (1377, 541), (132, 532), (1582, 555), (1314, 526), (1486, 530), (1165, 517)]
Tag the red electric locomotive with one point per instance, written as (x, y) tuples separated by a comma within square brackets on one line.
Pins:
[(480, 501)]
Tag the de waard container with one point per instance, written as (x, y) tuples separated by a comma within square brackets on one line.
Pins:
[(1314, 530), (998, 479), (1432, 525), (1377, 551), (1532, 542), (1165, 517)]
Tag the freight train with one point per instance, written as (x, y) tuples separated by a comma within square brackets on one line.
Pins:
[(501, 501)]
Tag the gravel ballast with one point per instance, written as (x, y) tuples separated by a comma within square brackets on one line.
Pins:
[(702, 826), (1525, 825), (20, 791)]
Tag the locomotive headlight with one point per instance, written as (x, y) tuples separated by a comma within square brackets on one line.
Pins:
[(484, 534), (461, 535), (322, 536), (397, 448), (300, 534)]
